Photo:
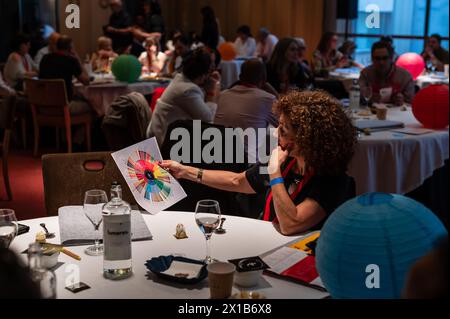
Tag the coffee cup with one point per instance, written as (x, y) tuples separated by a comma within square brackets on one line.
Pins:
[(382, 114), (221, 277)]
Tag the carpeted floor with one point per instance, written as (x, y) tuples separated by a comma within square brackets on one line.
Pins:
[(25, 174)]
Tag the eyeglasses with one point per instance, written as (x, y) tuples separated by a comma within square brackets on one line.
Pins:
[(381, 58)]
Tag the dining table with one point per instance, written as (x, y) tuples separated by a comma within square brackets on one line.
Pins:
[(348, 75), (397, 160), (230, 72), (104, 89), (243, 238)]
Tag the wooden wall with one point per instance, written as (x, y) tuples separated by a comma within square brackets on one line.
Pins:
[(92, 19), (299, 18)]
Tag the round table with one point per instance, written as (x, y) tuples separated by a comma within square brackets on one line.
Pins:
[(428, 79), (244, 238), (230, 72), (102, 92), (398, 163)]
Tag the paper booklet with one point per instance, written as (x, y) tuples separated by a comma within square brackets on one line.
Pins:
[(292, 262), (376, 125), (153, 188)]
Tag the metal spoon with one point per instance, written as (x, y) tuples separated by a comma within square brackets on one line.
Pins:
[(47, 234), (221, 230)]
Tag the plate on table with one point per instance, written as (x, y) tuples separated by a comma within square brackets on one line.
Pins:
[(160, 265)]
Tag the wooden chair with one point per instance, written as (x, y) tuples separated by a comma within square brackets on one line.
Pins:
[(50, 96), (6, 123), (68, 176)]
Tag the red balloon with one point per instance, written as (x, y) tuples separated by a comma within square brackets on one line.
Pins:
[(431, 106), (413, 63), (227, 51)]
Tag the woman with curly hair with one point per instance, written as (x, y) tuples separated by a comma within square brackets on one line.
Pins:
[(307, 177)]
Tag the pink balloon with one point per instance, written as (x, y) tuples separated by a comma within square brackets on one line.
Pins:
[(413, 63)]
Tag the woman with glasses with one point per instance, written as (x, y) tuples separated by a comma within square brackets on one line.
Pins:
[(383, 80)]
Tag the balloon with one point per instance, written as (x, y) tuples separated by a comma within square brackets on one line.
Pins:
[(126, 68), (228, 51), (431, 106), (413, 63), (369, 244)]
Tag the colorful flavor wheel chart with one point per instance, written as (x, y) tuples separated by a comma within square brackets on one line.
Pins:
[(149, 178)]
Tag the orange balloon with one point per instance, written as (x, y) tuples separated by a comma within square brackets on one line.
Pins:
[(227, 51)]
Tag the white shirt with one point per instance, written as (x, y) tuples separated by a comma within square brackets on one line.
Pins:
[(15, 70), (41, 53), (245, 49), (5, 89), (265, 50), (182, 100)]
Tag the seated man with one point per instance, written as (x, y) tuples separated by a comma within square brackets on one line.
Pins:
[(435, 53), (190, 96), (265, 45), (248, 104), (66, 64), (51, 47), (383, 80)]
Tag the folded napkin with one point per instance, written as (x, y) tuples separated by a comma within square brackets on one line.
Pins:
[(184, 270), (76, 229)]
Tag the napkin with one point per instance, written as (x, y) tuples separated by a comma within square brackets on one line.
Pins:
[(76, 229), (183, 270)]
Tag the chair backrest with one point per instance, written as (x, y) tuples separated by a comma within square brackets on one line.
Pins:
[(48, 93), (68, 176), (7, 109), (195, 191), (126, 121)]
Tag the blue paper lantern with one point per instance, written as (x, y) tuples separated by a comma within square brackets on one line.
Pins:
[(375, 236)]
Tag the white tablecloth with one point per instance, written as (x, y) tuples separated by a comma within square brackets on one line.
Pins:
[(244, 238), (348, 75), (398, 163), (231, 70), (102, 95), (426, 80)]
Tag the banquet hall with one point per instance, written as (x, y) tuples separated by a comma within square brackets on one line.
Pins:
[(212, 149)]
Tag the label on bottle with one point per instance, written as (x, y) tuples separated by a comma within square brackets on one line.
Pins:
[(355, 97), (117, 237)]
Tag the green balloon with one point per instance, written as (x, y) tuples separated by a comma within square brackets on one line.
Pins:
[(126, 68)]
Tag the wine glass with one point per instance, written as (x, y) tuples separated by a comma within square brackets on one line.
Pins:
[(94, 200), (207, 216), (8, 227), (367, 95)]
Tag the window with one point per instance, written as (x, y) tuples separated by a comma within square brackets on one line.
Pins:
[(409, 22)]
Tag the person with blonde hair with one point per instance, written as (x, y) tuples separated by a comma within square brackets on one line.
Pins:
[(101, 59)]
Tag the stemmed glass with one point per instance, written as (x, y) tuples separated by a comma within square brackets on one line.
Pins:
[(367, 95), (207, 216), (94, 200), (8, 227)]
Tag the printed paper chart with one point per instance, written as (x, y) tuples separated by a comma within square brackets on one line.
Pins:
[(153, 188)]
